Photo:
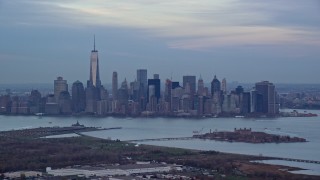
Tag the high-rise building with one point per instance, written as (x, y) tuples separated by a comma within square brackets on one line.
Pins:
[(191, 80), (200, 87), (114, 85), (155, 85), (65, 103), (123, 97), (59, 86), (224, 86), (78, 97), (142, 78), (267, 92), (94, 67), (215, 85), (91, 99), (239, 90)]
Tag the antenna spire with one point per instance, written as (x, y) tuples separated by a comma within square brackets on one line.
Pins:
[(94, 42)]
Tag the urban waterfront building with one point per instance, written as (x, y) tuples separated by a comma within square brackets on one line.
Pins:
[(190, 81), (142, 78), (201, 91), (215, 85), (94, 67), (65, 103), (78, 97), (60, 85), (153, 89), (266, 97), (224, 86), (114, 85)]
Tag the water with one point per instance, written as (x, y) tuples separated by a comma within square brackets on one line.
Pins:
[(146, 128), (311, 169)]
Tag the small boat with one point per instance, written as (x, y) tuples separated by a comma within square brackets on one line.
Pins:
[(77, 124)]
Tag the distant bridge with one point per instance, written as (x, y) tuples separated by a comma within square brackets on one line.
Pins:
[(161, 139), (299, 160)]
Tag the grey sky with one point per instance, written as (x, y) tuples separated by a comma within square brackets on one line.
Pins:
[(241, 40)]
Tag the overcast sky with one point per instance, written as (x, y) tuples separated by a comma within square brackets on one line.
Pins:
[(240, 40)]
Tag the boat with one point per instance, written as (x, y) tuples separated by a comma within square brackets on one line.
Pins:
[(77, 124)]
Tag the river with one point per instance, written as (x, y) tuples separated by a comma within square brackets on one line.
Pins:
[(146, 128)]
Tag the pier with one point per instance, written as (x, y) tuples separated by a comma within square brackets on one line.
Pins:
[(299, 160)]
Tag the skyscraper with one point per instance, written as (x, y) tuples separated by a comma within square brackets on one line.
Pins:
[(267, 92), (59, 86), (191, 80), (94, 67), (154, 85), (142, 79), (215, 85), (78, 97), (114, 85), (224, 86), (200, 87)]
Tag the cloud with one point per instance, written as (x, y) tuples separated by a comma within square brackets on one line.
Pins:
[(185, 24)]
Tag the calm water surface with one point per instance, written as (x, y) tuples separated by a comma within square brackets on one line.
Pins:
[(145, 128)]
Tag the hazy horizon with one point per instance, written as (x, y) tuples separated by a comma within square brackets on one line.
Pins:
[(245, 41)]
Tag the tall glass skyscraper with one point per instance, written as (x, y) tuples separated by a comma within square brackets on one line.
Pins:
[(94, 67), (142, 79)]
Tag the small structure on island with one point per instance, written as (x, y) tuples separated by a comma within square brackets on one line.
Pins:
[(244, 131)]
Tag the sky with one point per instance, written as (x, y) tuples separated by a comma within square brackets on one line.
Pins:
[(240, 40)]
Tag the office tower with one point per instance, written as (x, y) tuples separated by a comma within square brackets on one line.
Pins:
[(34, 101), (239, 90), (200, 105), (191, 80), (102, 103), (175, 84), (91, 99), (114, 85), (134, 91), (167, 94), (267, 97), (245, 105), (156, 86), (224, 86), (78, 97), (34, 98), (94, 67), (142, 79), (123, 96), (200, 87), (215, 85), (65, 102), (167, 90), (59, 86), (51, 107)]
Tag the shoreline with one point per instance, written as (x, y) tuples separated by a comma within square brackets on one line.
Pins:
[(226, 163)]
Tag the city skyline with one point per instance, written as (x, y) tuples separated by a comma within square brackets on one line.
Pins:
[(240, 41)]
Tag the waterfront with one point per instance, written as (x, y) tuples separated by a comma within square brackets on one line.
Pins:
[(142, 128)]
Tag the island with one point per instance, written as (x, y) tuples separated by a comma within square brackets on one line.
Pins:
[(248, 136), (26, 155)]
